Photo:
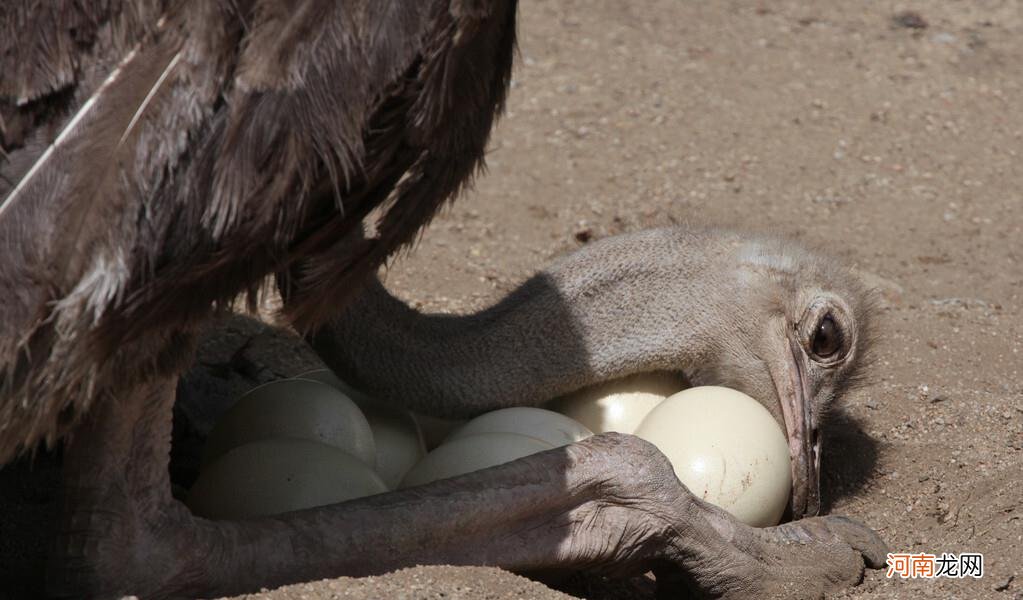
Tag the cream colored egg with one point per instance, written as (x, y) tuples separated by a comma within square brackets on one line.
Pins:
[(472, 453), (293, 408), (275, 476), (328, 377), (396, 432), (727, 449), (436, 430), (619, 405), (548, 426), (399, 441)]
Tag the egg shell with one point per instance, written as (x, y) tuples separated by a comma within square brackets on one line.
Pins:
[(727, 449), (546, 425), (328, 377), (270, 477), (293, 408), (399, 442), (436, 430), (397, 435), (620, 405), (472, 453)]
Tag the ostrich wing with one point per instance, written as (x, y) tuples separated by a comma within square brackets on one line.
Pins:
[(216, 144)]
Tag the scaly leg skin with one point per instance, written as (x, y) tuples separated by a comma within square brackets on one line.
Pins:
[(610, 504)]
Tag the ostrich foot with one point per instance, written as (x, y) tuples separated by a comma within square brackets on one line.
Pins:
[(610, 504)]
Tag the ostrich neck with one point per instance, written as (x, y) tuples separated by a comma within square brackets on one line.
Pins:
[(596, 315)]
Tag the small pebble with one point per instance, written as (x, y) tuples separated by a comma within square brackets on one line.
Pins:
[(910, 19), (1004, 585)]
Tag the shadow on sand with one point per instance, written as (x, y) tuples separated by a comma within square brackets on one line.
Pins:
[(849, 459)]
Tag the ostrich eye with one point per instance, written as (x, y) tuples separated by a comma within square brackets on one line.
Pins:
[(827, 339)]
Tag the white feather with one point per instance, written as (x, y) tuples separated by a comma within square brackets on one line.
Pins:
[(101, 285), (149, 97), (67, 131)]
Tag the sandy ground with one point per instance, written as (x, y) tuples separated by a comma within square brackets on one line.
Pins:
[(894, 146), (898, 149), (420, 583)]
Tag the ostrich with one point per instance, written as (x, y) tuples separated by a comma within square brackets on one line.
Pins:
[(161, 158)]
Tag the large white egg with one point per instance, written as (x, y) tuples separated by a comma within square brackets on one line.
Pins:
[(269, 477), (328, 377), (433, 430), (436, 430), (399, 441), (293, 408), (472, 453), (727, 449), (396, 432), (548, 426), (618, 405)]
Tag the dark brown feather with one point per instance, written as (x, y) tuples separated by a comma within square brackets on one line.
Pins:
[(236, 140)]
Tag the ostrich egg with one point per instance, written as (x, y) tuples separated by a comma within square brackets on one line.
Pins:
[(726, 448), (472, 453), (618, 405), (397, 434), (550, 427), (269, 477), (293, 408)]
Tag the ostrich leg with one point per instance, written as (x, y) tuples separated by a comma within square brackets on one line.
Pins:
[(119, 521), (610, 503)]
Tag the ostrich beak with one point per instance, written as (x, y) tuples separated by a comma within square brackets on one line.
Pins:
[(801, 427)]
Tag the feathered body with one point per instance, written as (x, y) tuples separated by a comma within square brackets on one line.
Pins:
[(159, 157)]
